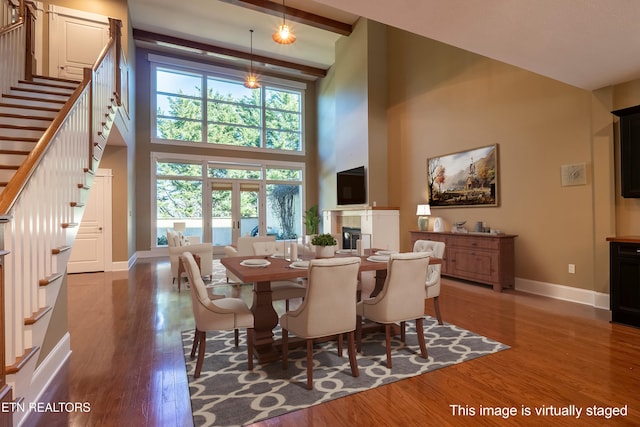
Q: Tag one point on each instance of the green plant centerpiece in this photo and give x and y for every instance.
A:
(312, 220)
(325, 245)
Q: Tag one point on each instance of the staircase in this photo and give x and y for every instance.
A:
(52, 136)
(25, 114)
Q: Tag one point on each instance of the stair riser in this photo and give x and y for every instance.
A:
(38, 95)
(43, 123)
(20, 133)
(66, 92)
(17, 145)
(71, 86)
(31, 103)
(12, 159)
(23, 111)
(6, 175)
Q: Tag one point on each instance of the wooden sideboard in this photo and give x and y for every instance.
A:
(479, 257)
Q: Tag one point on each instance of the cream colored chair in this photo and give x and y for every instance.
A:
(280, 289)
(215, 315)
(432, 284)
(178, 244)
(244, 247)
(328, 309)
(401, 299)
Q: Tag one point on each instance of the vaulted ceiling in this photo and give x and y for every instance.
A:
(585, 43)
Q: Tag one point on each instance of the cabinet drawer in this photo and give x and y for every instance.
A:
(475, 242)
(628, 249)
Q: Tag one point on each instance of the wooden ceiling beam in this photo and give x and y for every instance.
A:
(156, 38)
(296, 15)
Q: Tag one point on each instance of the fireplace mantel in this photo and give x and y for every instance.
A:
(382, 223)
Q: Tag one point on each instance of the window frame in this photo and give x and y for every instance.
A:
(208, 71)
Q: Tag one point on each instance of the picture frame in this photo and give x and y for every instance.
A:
(464, 179)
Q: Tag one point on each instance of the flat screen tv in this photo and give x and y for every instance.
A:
(352, 187)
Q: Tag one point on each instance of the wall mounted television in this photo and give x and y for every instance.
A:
(352, 186)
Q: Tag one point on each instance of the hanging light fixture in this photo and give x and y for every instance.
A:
(284, 34)
(251, 81)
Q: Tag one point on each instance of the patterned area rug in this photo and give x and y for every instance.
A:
(227, 394)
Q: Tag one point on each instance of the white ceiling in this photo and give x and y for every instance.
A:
(586, 43)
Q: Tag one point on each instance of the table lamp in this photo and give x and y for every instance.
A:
(423, 212)
(179, 227)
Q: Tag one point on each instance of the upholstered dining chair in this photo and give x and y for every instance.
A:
(178, 244)
(401, 299)
(432, 284)
(243, 247)
(215, 315)
(280, 289)
(328, 309)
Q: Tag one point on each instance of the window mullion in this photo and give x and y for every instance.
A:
(205, 109)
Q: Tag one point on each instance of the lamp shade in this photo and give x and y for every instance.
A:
(179, 226)
(423, 210)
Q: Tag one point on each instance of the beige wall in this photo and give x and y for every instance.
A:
(442, 100)
(352, 105)
(445, 100)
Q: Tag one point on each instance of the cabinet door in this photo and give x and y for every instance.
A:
(478, 265)
(625, 283)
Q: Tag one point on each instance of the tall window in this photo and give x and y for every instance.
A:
(220, 200)
(204, 107)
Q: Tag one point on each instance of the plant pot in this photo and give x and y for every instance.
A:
(325, 251)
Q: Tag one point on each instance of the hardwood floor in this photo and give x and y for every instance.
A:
(127, 361)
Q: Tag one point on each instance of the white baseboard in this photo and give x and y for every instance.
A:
(562, 292)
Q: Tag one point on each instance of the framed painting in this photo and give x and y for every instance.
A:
(465, 178)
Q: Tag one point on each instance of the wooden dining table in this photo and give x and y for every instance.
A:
(265, 316)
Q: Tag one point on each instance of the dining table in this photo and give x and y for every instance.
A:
(276, 268)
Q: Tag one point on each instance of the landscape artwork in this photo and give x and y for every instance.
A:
(466, 178)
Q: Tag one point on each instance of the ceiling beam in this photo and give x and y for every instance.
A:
(155, 38)
(296, 15)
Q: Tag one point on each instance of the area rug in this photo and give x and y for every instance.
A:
(226, 394)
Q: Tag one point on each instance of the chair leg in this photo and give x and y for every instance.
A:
(387, 333)
(250, 348)
(403, 331)
(420, 332)
(340, 345)
(201, 351)
(352, 355)
(359, 334)
(236, 337)
(285, 348)
(196, 337)
(310, 364)
(436, 305)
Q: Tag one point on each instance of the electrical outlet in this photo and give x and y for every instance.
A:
(572, 269)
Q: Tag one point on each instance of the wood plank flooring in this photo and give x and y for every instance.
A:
(127, 361)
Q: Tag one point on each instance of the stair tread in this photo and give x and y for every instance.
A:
(22, 127)
(37, 91)
(18, 138)
(21, 361)
(15, 152)
(50, 85)
(37, 315)
(24, 117)
(56, 79)
(29, 98)
(30, 107)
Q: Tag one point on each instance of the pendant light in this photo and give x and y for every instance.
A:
(284, 34)
(251, 81)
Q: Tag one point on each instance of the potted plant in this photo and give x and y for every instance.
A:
(325, 245)
(312, 220)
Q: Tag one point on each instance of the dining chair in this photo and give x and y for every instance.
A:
(215, 315)
(432, 284)
(280, 289)
(401, 299)
(328, 309)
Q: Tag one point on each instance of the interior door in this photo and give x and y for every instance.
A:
(235, 210)
(75, 39)
(88, 254)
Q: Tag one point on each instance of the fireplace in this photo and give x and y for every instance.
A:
(349, 237)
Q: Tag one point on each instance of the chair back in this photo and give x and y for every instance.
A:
(403, 294)
(245, 244)
(205, 311)
(437, 249)
(269, 247)
(329, 306)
